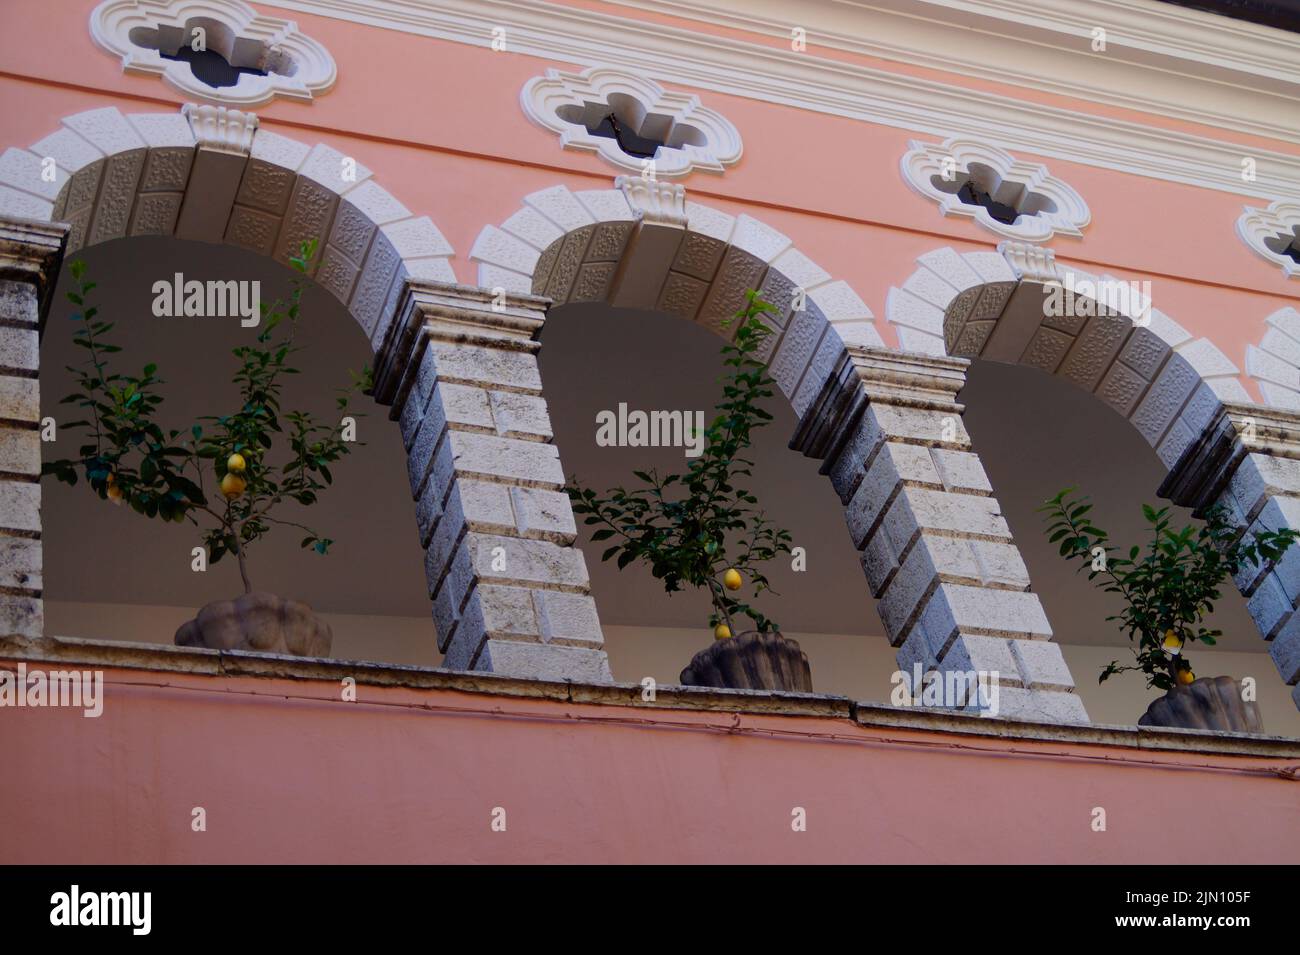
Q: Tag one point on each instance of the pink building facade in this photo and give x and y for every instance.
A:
(1141, 158)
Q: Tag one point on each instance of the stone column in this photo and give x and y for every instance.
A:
(1248, 460)
(30, 255)
(510, 590)
(938, 555)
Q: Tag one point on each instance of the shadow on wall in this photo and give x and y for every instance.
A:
(596, 358)
(96, 553)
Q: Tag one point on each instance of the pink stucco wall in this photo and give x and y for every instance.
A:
(440, 125)
(287, 772)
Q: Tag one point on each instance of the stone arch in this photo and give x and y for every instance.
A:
(211, 174)
(1274, 363)
(645, 245)
(953, 592)
(208, 173)
(1136, 359)
(1181, 393)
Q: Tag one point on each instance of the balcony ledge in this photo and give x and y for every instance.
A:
(235, 663)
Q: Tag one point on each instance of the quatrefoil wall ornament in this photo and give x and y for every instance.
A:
(266, 56)
(1019, 200)
(1274, 233)
(629, 120)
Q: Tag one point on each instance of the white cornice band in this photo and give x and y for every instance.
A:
(801, 80)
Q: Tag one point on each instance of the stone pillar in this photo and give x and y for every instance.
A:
(30, 255)
(510, 590)
(1248, 460)
(953, 590)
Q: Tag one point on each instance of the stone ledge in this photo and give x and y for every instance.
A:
(157, 657)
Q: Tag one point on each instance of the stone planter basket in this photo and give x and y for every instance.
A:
(751, 661)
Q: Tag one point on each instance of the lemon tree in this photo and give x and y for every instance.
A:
(703, 528)
(128, 457)
(1170, 589)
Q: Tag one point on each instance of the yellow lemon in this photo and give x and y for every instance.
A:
(236, 464)
(1173, 643)
(114, 492)
(1186, 676)
(232, 485)
(732, 579)
(721, 632)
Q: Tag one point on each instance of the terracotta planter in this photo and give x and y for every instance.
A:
(262, 622)
(751, 661)
(1209, 703)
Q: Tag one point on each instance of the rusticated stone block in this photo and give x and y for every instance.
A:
(475, 364)
(19, 302)
(20, 451)
(20, 563)
(20, 399)
(1039, 706)
(976, 654)
(21, 616)
(955, 608)
(18, 349)
(20, 506)
(537, 661)
(542, 513)
(520, 416)
(493, 458)
(514, 560)
(1041, 665)
(567, 618)
(921, 425)
(893, 464)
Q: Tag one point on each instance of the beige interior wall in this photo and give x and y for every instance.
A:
(844, 665)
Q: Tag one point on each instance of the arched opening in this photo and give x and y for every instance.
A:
(111, 574)
(1103, 337)
(1036, 435)
(254, 198)
(654, 362)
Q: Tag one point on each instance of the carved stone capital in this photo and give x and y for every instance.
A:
(438, 311)
(221, 129)
(1203, 471)
(655, 202)
(866, 376)
(1030, 261)
(32, 251)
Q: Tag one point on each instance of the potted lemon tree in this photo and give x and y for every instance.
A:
(703, 529)
(222, 474)
(1168, 591)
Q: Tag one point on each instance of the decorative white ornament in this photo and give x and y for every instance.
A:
(656, 203)
(297, 67)
(1048, 206)
(1271, 229)
(697, 137)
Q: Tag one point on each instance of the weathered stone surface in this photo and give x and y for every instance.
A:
(523, 462)
(567, 618)
(1040, 706)
(20, 563)
(20, 506)
(20, 451)
(20, 399)
(538, 661)
(545, 514)
(21, 616)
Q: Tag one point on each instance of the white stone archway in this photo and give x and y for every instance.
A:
(1181, 393)
(210, 173)
(645, 245)
(482, 487)
(953, 590)
(1135, 358)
